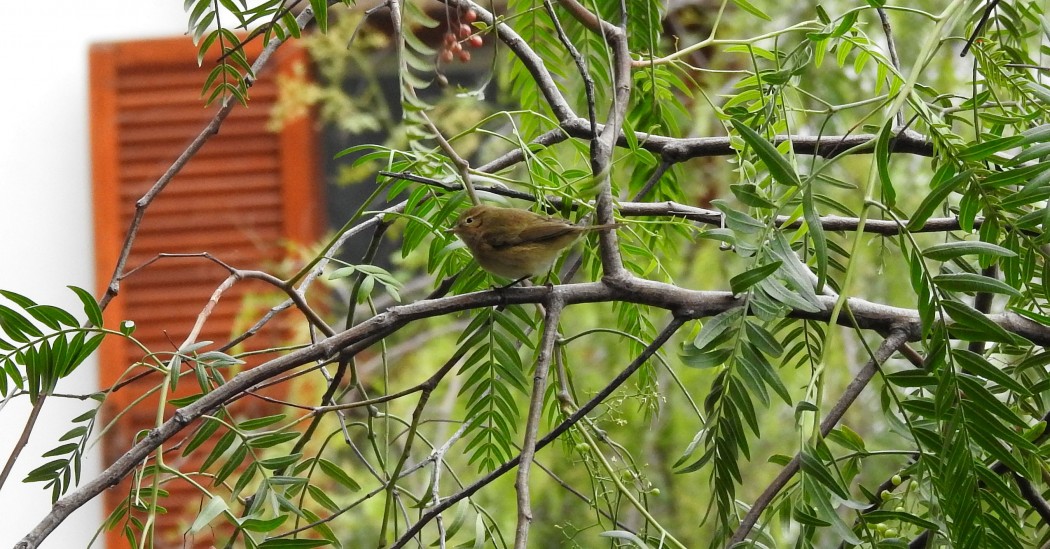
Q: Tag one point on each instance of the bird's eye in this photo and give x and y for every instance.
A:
(468, 221)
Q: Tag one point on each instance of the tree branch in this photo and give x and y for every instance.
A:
(893, 341)
(649, 351)
(211, 129)
(532, 423)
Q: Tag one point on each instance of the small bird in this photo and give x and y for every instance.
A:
(516, 244)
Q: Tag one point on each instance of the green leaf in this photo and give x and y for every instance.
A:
(322, 498)
(337, 474)
(18, 327)
(260, 422)
(912, 378)
(816, 233)
(215, 507)
(269, 440)
(765, 371)
(847, 438)
(762, 339)
(18, 299)
(1038, 134)
(174, 369)
(280, 462)
(790, 297)
(981, 151)
(231, 465)
(207, 429)
(973, 282)
(717, 329)
(979, 400)
(225, 441)
(803, 514)
(748, 194)
(218, 359)
(975, 326)
(741, 282)
(937, 195)
(750, 8)
(982, 434)
(91, 309)
(882, 163)
(778, 166)
(696, 358)
(736, 219)
(263, 526)
(951, 250)
(53, 316)
(812, 466)
(46, 471)
(79, 352)
(61, 450)
(320, 8)
(1024, 175)
(625, 536)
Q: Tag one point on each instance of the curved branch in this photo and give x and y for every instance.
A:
(685, 304)
(604, 138)
(678, 149)
(211, 129)
(532, 422)
(834, 223)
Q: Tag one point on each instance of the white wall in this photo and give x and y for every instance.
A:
(45, 207)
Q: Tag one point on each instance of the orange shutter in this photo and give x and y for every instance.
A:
(243, 198)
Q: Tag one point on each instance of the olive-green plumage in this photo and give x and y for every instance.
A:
(515, 243)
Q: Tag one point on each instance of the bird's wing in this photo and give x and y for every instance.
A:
(539, 232)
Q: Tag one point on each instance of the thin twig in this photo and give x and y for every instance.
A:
(23, 439)
(834, 223)
(892, 47)
(211, 129)
(581, 66)
(436, 457)
(461, 164)
(604, 141)
(532, 423)
(893, 341)
(316, 271)
(579, 495)
(600, 397)
(980, 27)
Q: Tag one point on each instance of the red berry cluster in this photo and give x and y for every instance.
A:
(452, 45)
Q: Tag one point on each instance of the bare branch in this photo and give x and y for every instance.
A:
(466, 492)
(893, 341)
(679, 149)
(834, 223)
(211, 129)
(532, 423)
